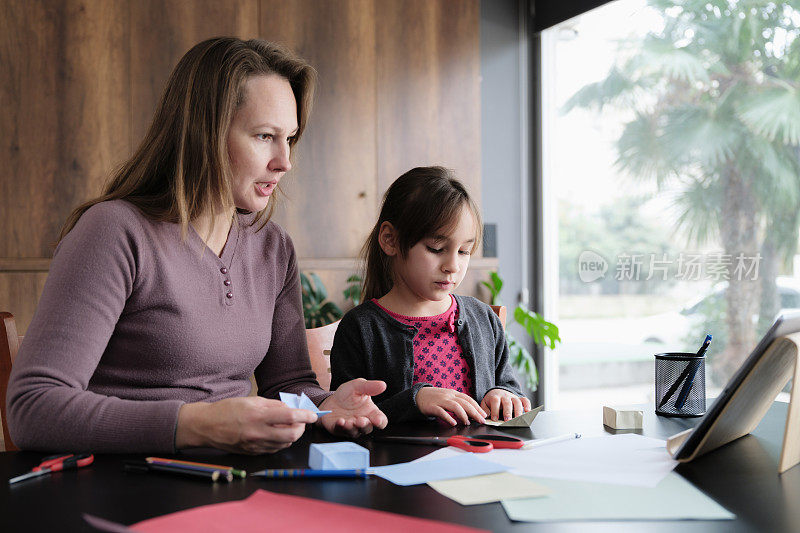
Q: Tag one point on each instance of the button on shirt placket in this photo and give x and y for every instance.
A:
(228, 285)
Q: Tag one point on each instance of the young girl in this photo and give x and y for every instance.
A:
(438, 353)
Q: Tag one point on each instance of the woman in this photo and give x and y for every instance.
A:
(168, 291)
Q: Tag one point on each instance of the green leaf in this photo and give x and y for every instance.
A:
(317, 311)
(305, 283)
(774, 113)
(331, 310)
(497, 282)
(353, 291)
(321, 293)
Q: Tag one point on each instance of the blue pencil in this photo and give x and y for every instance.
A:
(695, 366)
(309, 473)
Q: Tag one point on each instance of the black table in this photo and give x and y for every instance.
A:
(741, 476)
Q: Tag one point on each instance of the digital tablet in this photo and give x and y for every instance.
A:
(745, 398)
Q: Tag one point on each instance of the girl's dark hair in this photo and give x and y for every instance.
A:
(182, 169)
(423, 202)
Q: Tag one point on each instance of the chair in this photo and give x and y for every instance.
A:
(500, 311)
(9, 345)
(319, 342)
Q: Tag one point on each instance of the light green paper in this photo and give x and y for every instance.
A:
(489, 488)
(672, 499)
(522, 421)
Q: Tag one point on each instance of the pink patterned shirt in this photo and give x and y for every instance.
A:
(438, 358)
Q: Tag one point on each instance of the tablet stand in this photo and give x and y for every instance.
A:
(750, 401)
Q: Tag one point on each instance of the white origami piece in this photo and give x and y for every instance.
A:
(522, 421)
(622, 419)
(338, 456)
(300, 402)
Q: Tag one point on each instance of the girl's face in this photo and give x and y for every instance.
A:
(436, 265)
(258, 141)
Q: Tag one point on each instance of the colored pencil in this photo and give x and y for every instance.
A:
(237, 473)
(213, 475)
(310, 473)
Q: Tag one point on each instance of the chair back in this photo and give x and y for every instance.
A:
(500, 311)
(320, 341)
(9, 346)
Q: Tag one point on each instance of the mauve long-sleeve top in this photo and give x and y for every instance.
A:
(135, 320)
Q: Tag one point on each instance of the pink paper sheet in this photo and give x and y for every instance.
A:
(268, 511)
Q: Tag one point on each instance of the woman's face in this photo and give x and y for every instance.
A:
(258, 141)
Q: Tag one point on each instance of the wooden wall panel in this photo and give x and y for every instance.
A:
(65, 114)
(331, 197)
(161, 32)
(398, 87)
(429, 88)
(19, 294)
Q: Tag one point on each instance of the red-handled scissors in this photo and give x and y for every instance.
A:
(472, 443)
(55, 463)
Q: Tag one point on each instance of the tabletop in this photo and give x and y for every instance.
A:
(741, 477)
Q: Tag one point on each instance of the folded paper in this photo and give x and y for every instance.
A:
(621, 418)
(300, 402)
(522, 421)
(338, 456)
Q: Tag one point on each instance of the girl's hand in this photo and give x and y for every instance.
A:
(252, 425)
(434, 401)
(512, 404)
(354, 413)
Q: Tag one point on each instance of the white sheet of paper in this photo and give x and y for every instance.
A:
(300, 402)
(413, 473)
(672, 499)
(626, 459)
(489, 488)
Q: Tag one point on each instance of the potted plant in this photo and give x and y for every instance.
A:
(318, 311)
(540, 330)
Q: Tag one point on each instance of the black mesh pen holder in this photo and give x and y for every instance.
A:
(680, 384)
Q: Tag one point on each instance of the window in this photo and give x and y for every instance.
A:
(672, 179)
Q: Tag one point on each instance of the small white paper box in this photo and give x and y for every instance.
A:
(622, 419)
(338, 456)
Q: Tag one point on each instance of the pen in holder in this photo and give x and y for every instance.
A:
(680, 384)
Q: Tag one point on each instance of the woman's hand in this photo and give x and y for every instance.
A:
(442, 403)
(511, 404)
(354, 413)
(251, 425)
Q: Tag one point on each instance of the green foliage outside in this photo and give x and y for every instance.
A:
(619, 228)
(714, 101)
(318, 311)
(540, 330)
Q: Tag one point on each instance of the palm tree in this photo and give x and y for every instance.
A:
(716, 119)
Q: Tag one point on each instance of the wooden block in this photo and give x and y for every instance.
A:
(622, 419)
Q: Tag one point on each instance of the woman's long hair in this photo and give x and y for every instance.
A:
(182, 169)
(424, 201)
